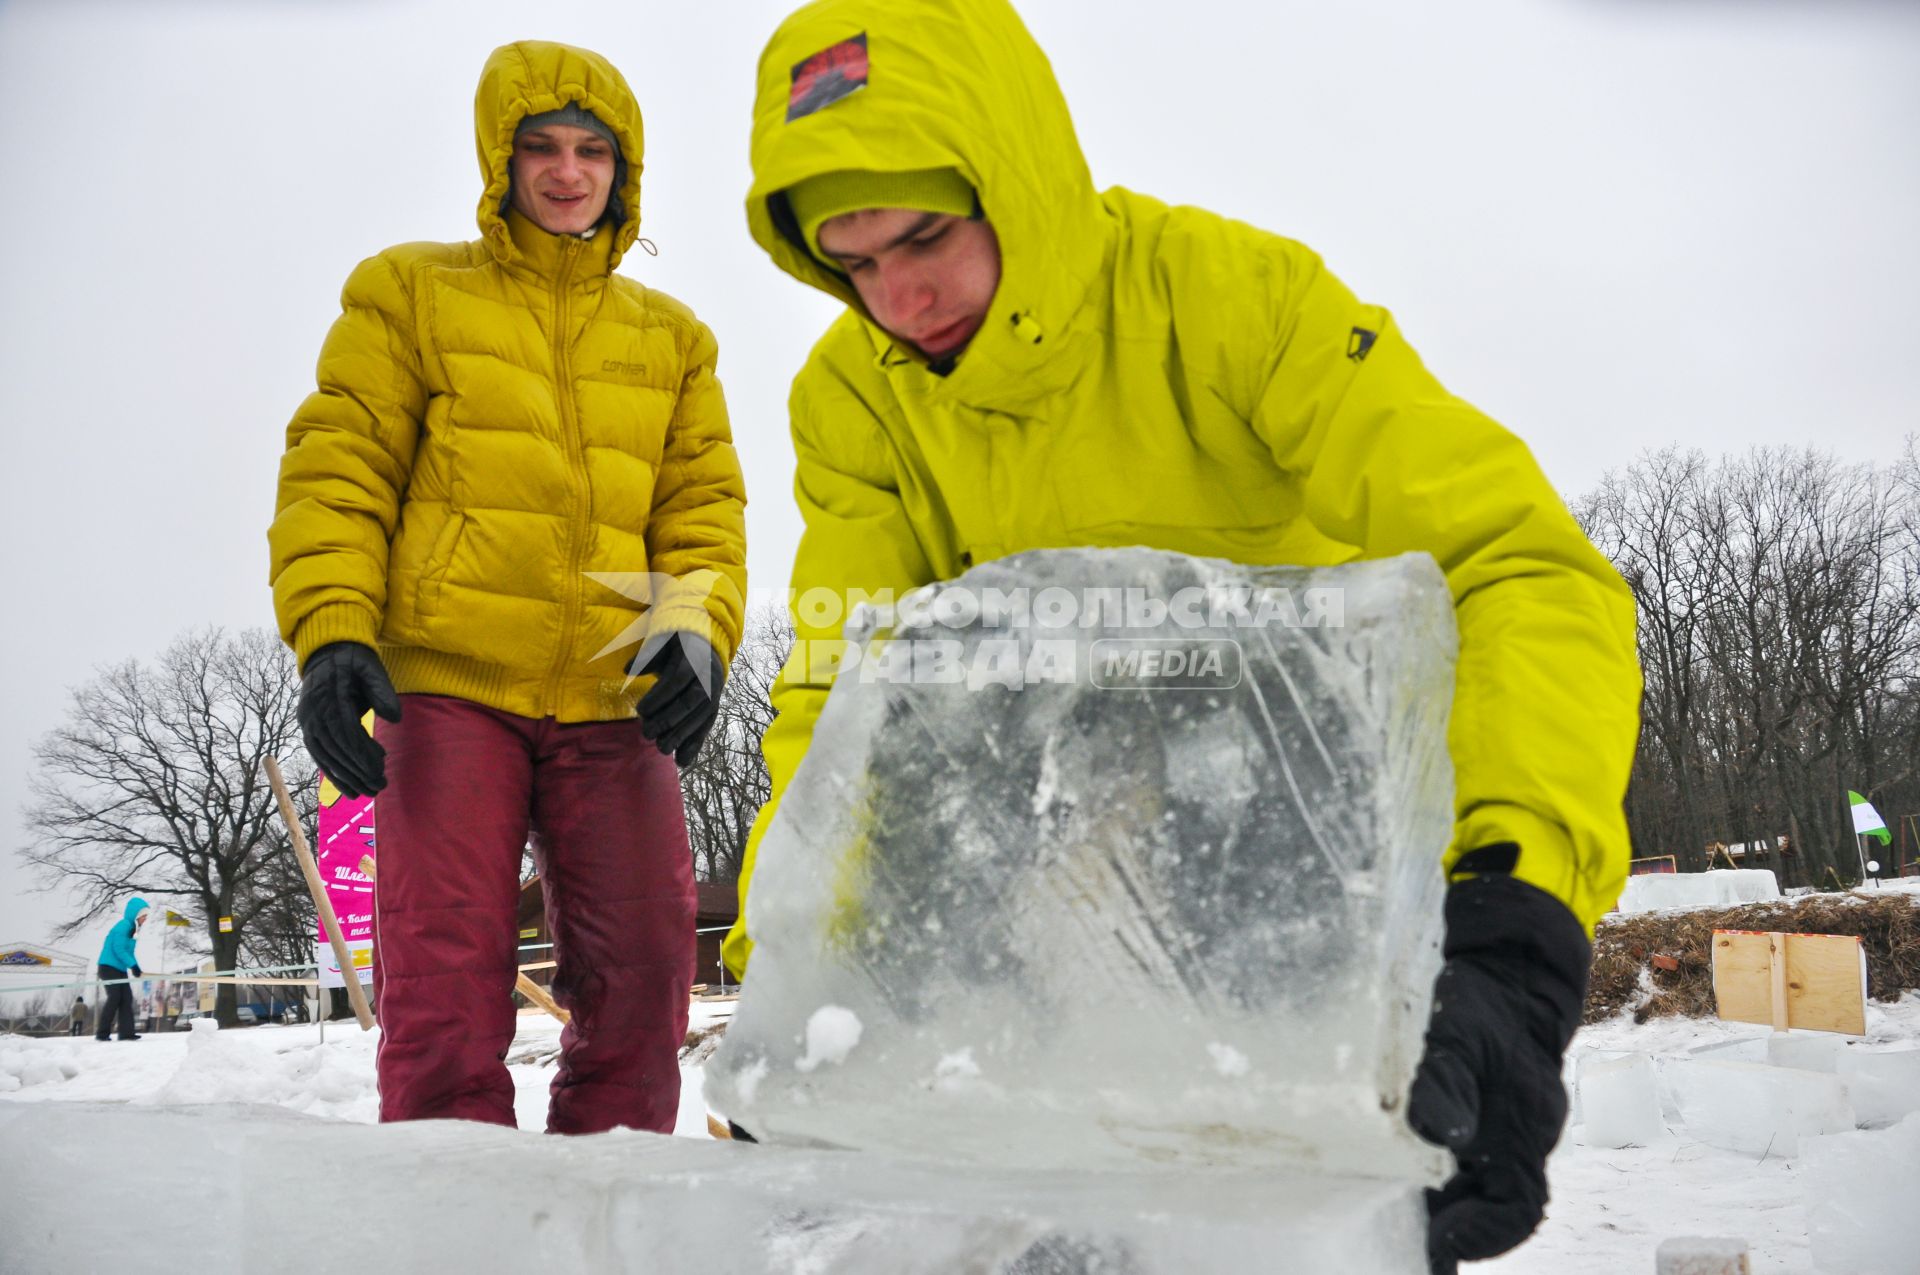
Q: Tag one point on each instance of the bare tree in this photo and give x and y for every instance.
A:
(154, 786)
(1779, 597)
(726, 787)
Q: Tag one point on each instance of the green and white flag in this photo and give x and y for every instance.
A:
(1867, 821)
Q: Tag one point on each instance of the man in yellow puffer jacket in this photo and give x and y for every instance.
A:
(513, 506)
(1027, 362)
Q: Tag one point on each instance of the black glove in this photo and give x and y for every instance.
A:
(341, 682)
(1488, 1087)
(678, 712)
(136, 971)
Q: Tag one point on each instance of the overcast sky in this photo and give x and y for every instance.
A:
(1613, 224)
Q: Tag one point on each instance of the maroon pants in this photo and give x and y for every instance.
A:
(467, 784)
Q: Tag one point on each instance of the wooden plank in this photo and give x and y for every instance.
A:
(1821, 981)
(538, 995)
(1742, 976)
(1777, 980)
(1826, 983)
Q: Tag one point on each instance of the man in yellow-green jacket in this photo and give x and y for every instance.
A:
(511, 508)
(1028, 362)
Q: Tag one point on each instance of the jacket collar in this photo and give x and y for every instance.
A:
(547, 256)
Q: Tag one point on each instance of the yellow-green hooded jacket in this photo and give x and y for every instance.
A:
(518, 462)
(1163, 376)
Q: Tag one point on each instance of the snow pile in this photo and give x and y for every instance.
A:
(224, 1067)
(1723, 887)
(21, 1067)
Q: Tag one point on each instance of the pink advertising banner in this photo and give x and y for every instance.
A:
(345, 836)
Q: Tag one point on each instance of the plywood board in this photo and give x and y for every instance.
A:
(1815, 982)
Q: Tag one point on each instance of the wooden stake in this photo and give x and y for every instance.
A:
(1777, 972)
(538, 995)
(311, 871)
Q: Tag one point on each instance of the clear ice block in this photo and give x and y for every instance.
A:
(1031, 903)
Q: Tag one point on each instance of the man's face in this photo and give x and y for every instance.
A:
(925, 277)
(562, 177)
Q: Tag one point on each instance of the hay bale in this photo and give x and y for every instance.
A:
(1625, 975)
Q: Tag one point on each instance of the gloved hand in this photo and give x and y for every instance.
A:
(136, 971)
(341, 682)
(1488, 1087)
(678, 712)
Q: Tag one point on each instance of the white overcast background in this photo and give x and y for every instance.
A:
(1614, 224)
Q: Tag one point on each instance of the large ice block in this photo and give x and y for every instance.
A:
(1806, 1050)
(1720, 887)
(1620, 1102)
(1882, 1085)
(1859, 1199)
(275, 1191)
(1756, 1108)
(1106, 888)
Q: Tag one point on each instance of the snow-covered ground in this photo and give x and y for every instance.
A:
(1611, 1207)
(288, 1066)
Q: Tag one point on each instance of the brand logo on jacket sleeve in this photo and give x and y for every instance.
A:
(1360, 343)
(827, 76)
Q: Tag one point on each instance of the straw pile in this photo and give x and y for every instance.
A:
(1661, 963)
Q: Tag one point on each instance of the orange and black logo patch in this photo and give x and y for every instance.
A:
(828, 76)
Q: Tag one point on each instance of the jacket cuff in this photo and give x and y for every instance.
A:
(691, 617)
(334, 622)
(1546, 859)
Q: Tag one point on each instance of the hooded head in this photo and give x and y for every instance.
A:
(901, 87)
(533, 78)
(136, 909)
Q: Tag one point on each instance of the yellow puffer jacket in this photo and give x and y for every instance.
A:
(1163, 376)
(517, 463)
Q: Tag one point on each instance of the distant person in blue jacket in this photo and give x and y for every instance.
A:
(117, 961)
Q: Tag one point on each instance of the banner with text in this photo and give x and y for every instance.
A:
(344, 838)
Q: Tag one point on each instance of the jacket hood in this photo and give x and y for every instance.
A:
(932, 84)
(532, 77)
(135, 906)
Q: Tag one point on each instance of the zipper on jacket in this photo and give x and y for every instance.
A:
(577, 468)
